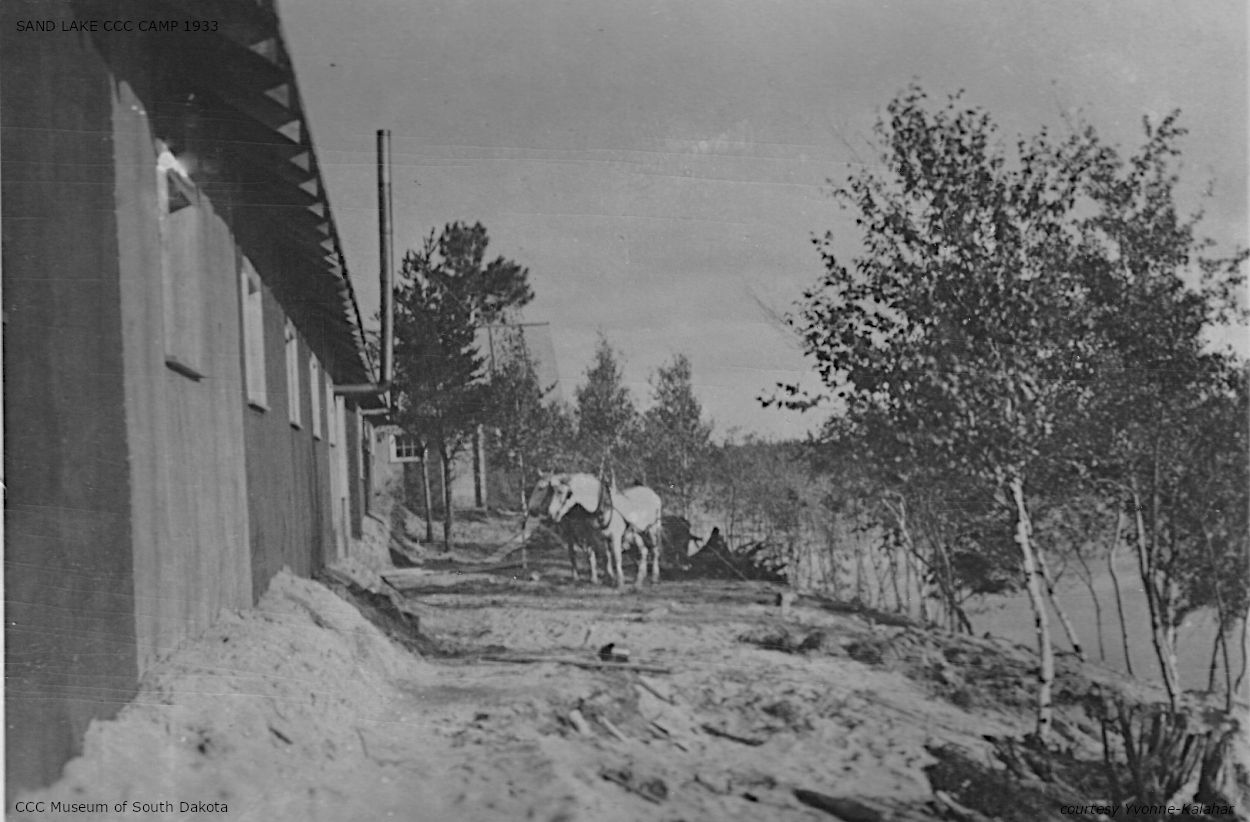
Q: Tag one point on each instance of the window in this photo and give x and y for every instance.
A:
(253, 296)
(315, 391)
(334, 412)
(292, 374)
(405, 448)
(182, 266)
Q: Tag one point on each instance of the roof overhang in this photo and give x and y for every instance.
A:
(238, 86)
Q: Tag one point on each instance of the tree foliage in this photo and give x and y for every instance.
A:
(446, 291)
(1021, 319)
(532, 431)
(608, 422)
(676, 437)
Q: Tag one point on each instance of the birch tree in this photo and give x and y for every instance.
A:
(958, 323)
(1165, 436)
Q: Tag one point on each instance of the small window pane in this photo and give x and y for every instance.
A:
(253, 336)
(405, 448)
(183, 260)
(293, 398)
(314, 394)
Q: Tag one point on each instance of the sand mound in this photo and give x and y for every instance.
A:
(276, 693)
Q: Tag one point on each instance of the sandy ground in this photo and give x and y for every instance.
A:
(303, 710)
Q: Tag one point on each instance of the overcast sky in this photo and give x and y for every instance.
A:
(661, 167)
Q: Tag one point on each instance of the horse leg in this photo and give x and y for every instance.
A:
(656, 549)
(642, 559)
(617, 549)
(609, 570)
(594, 563)
(573, 558)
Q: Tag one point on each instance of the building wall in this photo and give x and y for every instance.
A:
(340, 509)
(189, 490)
(288, 469)
(69, 596)
(356, 490)
(141, 501)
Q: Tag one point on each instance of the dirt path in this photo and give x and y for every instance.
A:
(729, 733)
(302, 710)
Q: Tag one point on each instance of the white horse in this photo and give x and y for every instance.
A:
(633, 514)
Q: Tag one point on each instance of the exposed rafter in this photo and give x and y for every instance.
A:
(243, 76)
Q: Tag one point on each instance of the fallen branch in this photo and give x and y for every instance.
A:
(745, 740)
(963, 813)
(851, 810)
(660, 732)
(593, 665)
(652, 790)
(579, 722)
(642, 680)
(612, 729)
(490, 569)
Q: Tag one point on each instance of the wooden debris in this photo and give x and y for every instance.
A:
(661, 732)
(744, 740)
(964, 814)
(580, 663)
(496, 568)
(642, 680)
(612, 729)
(579, 722)
(850, 810)
(652, 790)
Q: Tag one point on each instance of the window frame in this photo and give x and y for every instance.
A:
(315, 395)
(293, 391)
(252, 297)
(182, 238)
(404, 451)
(333, 414)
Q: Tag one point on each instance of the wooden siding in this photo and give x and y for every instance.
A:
(288, 470)
(357, 488)
(141, 501)
(189, 490)
(69, 620)
(340, 509)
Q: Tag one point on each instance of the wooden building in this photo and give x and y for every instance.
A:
(177, 315)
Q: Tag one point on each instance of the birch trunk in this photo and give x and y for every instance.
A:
(1214, 666)
(1245, 653)
(1115, 583)
(1059, 612)
(1145, 567)
(1046, 677)
(525, 513)
(1087, 576)
(894, 574)
(955, 615)
(1221, 620)
(1228, 672)
(912, 555)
